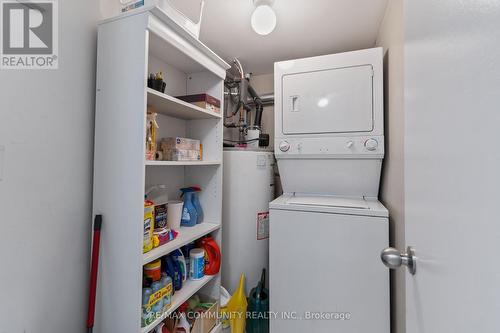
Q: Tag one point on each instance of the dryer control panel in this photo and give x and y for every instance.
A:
(336, 147)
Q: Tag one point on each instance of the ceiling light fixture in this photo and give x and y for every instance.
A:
(263, 17)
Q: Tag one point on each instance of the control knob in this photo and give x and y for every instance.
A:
(284, 146)
(371, 144)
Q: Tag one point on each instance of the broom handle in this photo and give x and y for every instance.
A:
(93, 272)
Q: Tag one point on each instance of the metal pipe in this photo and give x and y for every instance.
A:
(267, 99)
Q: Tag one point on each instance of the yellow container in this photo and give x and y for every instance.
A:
(153, 270)
(149, 225)
(237, 308)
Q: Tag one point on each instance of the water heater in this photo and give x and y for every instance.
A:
(248, 189)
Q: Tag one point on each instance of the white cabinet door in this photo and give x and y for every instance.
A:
(337, 100)
(326, 265)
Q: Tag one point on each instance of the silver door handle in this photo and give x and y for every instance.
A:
(393, 259)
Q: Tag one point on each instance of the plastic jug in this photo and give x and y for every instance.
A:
(189, 213)
(237, 308)
(193, 190)
(197, 204)
(212, 255)
(173, 269)
(258, 306)
(178, 256)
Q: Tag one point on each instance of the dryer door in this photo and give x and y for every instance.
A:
(337, 100)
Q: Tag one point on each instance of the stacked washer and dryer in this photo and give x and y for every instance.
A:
(328, 228)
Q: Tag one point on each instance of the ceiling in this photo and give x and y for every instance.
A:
(305, 28)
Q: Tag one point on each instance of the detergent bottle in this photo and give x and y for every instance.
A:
(197, 204)
(178, 257)
(237, 307)
(189, 213)
(258, 306)
(173, 269)
(212, 255)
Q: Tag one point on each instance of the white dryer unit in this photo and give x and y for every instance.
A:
(329, 120)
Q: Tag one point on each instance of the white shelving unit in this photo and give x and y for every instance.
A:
(131, 46)
(186, 235)
(174, 107)
(181, 163)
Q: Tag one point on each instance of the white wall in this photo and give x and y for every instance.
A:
(46, 129)
(391, 38)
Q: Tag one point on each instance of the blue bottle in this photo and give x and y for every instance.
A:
(197, 204)
(173, 269)
(189, 213)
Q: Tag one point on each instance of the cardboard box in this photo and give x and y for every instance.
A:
(207, 320)
(179, 143)
(204, 101)
(181, 155)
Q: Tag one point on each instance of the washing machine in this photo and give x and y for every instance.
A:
(328, 228)
(325, 270)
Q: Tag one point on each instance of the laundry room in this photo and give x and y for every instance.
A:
(249, 166)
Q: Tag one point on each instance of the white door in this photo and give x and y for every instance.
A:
(452, 165)
(338, 100)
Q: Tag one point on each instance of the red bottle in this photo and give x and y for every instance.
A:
(212, 255)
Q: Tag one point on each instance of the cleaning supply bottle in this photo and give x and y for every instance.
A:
(212, 255)
(237, 308)
(258, 307)
(149, 225)
(179, 257)
(197, 264)
(172, 270)
(189, 213)
(185, 251)
(197, 204)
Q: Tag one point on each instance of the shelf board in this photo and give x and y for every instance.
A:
(186, 235)
(188, 289)
(180, 163)
(174, 107)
